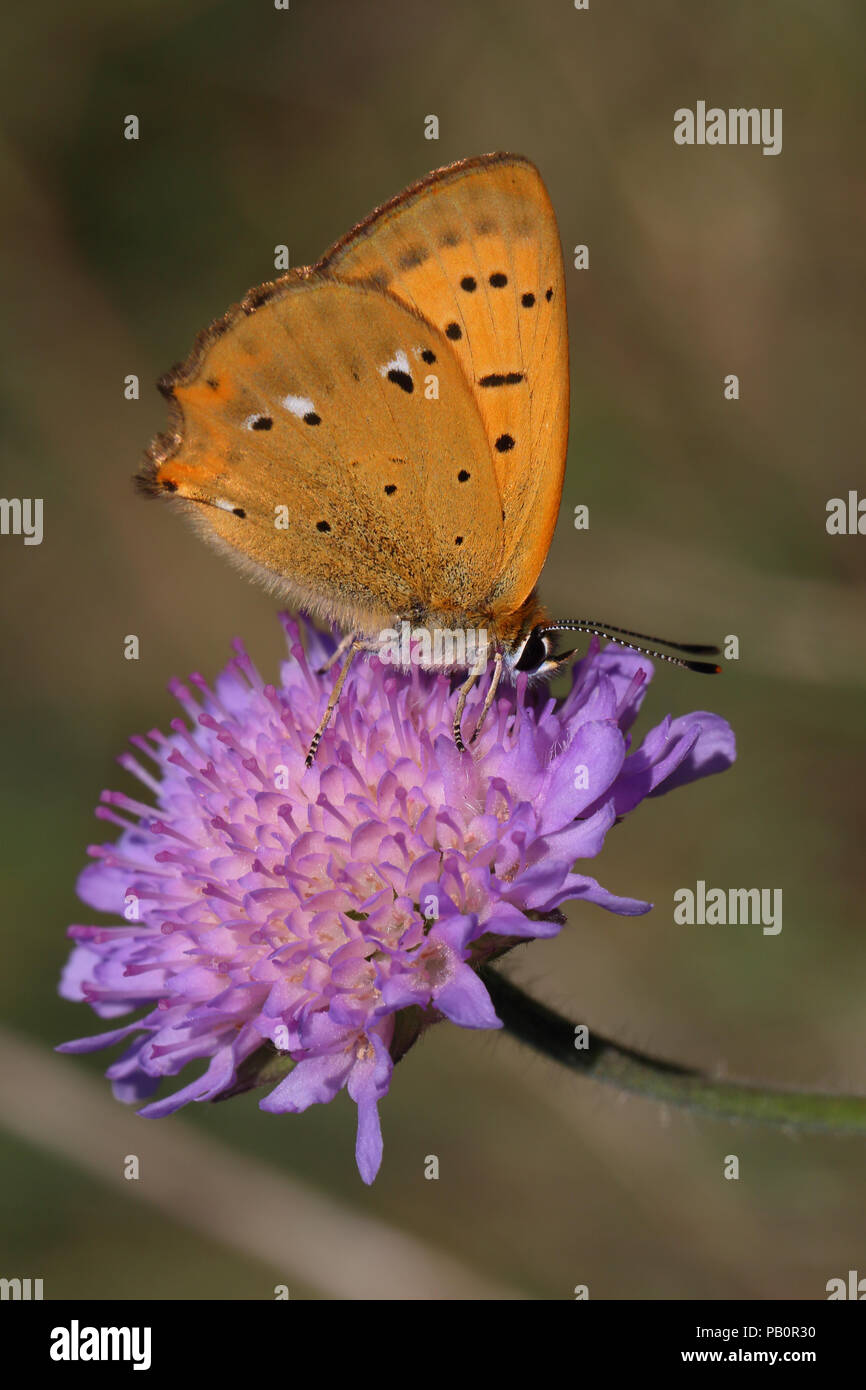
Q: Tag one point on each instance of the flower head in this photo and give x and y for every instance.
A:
(331, 913)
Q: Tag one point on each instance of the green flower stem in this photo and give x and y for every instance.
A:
(605, 1061)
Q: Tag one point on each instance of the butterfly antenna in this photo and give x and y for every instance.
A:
(615, 634)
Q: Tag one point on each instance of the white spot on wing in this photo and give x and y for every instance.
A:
(299, 405)
(226, 506)
(399, 363)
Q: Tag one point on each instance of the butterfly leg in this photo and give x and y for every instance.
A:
(337, 654)
(354, 646)
(458, 713)
(490, 696)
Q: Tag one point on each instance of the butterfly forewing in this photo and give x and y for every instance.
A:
(475, 249)
(308, 443)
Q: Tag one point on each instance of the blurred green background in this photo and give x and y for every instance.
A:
(260, 127)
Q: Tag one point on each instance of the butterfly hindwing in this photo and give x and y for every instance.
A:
(475, 249)
(308, 442)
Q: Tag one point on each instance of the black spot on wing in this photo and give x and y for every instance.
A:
(401, 379)
(501, 379)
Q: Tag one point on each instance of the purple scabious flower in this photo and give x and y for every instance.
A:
(333, 913)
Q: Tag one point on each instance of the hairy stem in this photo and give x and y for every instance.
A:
(605, 1061)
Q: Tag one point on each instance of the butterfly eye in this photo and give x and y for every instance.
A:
(536, 650)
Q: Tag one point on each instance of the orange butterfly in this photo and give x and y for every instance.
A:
(382, 436)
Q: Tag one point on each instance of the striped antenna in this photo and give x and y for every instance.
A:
(615, 634)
